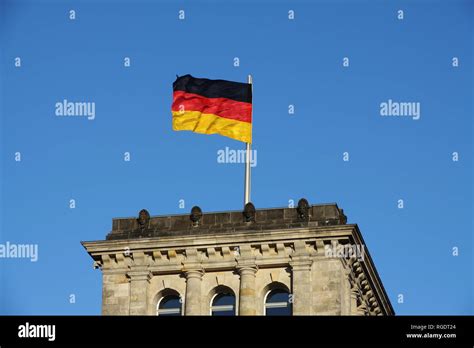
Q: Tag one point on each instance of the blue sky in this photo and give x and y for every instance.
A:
(298, 62)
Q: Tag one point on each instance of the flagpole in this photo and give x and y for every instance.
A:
(247, 162)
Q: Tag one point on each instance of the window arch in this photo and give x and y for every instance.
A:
(170, 304)
(223, 302)
(277, 301)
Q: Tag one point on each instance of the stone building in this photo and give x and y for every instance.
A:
(302, 261)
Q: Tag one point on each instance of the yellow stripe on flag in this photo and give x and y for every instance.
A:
(212, 124)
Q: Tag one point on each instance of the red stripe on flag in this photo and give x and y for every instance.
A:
(222, 107)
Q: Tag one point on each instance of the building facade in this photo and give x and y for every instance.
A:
(284, 261)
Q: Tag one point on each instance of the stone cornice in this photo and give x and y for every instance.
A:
(373, 276)
(200, 241)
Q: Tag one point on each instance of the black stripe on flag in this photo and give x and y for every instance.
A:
(237, 91)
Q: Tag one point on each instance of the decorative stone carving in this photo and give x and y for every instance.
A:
(342, 217)
(249, 212)
(143, 219)
(196, 215)
(303, 209)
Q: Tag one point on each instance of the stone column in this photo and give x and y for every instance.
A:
(301, 284)
(301, 279)
(192, 305)
(193, 271)
(345, 292)
(139, 280)
(247, 268)
(247, 296)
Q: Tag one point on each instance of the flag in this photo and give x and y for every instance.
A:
(213, 107)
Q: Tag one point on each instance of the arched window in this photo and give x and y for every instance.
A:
(223, 304)
(169, 306)
(277, 302)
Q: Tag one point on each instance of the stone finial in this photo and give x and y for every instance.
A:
(342, 217)
(143, 219)
(249, 212)
(303, 209)
(196, 215)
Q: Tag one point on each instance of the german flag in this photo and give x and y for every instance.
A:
(213, 107)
